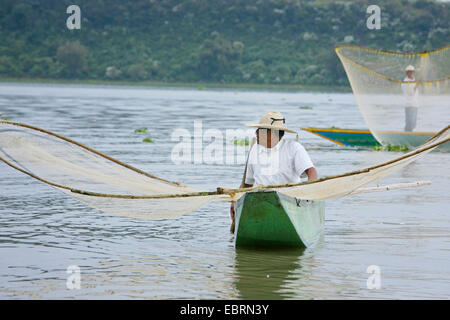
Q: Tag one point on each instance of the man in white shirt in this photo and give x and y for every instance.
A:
(411, 93)
(274, 160)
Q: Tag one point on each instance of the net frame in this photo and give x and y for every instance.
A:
(440, 138)
(383, 95)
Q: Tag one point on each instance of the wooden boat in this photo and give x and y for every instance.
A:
(267, 218)
(364, 138)
(346, 137)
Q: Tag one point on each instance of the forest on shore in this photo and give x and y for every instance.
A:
(216, 41)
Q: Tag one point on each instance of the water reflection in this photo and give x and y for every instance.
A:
(265, 273)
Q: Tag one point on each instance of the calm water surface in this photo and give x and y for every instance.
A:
(42, 231)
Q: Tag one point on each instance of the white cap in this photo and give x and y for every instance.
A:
(410, 68)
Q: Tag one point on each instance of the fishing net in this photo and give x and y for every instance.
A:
(120, 189)
(90, 176)
(400, 108)
(344, 184)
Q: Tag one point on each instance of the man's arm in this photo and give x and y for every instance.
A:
(311, 173)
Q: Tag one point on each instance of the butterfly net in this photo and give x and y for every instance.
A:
(400, 107)
(117, 188)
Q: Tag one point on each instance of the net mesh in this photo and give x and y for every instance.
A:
(397, 108)
(120, 189)
(77, 169)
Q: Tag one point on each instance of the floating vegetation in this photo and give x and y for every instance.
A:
(241, 142)
(141, 130)
(390, 147)
(305, 107)
(148, 140)
(6, 119)
(333, 127)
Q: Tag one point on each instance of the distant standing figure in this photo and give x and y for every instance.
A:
(411, 93)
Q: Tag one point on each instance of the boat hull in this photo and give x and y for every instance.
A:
(412, 139)
(364, 138)
(346, 137)
(272, 219)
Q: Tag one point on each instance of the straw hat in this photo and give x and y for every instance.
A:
(410, 68)
(271, 120)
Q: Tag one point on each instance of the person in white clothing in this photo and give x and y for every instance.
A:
(279, 162)
(274, 160)
(411, 93)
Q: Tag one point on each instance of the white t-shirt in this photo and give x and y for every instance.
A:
(410, 91)
(282, 164)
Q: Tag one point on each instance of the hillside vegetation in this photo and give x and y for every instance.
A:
(226, 41)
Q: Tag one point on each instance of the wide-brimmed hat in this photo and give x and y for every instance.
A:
(410, 68)
(271, 120)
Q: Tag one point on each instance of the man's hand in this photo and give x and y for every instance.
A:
(232, 210)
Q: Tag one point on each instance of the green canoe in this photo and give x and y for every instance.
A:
(267, 218)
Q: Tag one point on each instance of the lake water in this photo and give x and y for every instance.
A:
(405, 233)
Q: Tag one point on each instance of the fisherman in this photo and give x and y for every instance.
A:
(411, 93)
(274, 160)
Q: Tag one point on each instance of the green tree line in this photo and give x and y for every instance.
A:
(239, 41)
